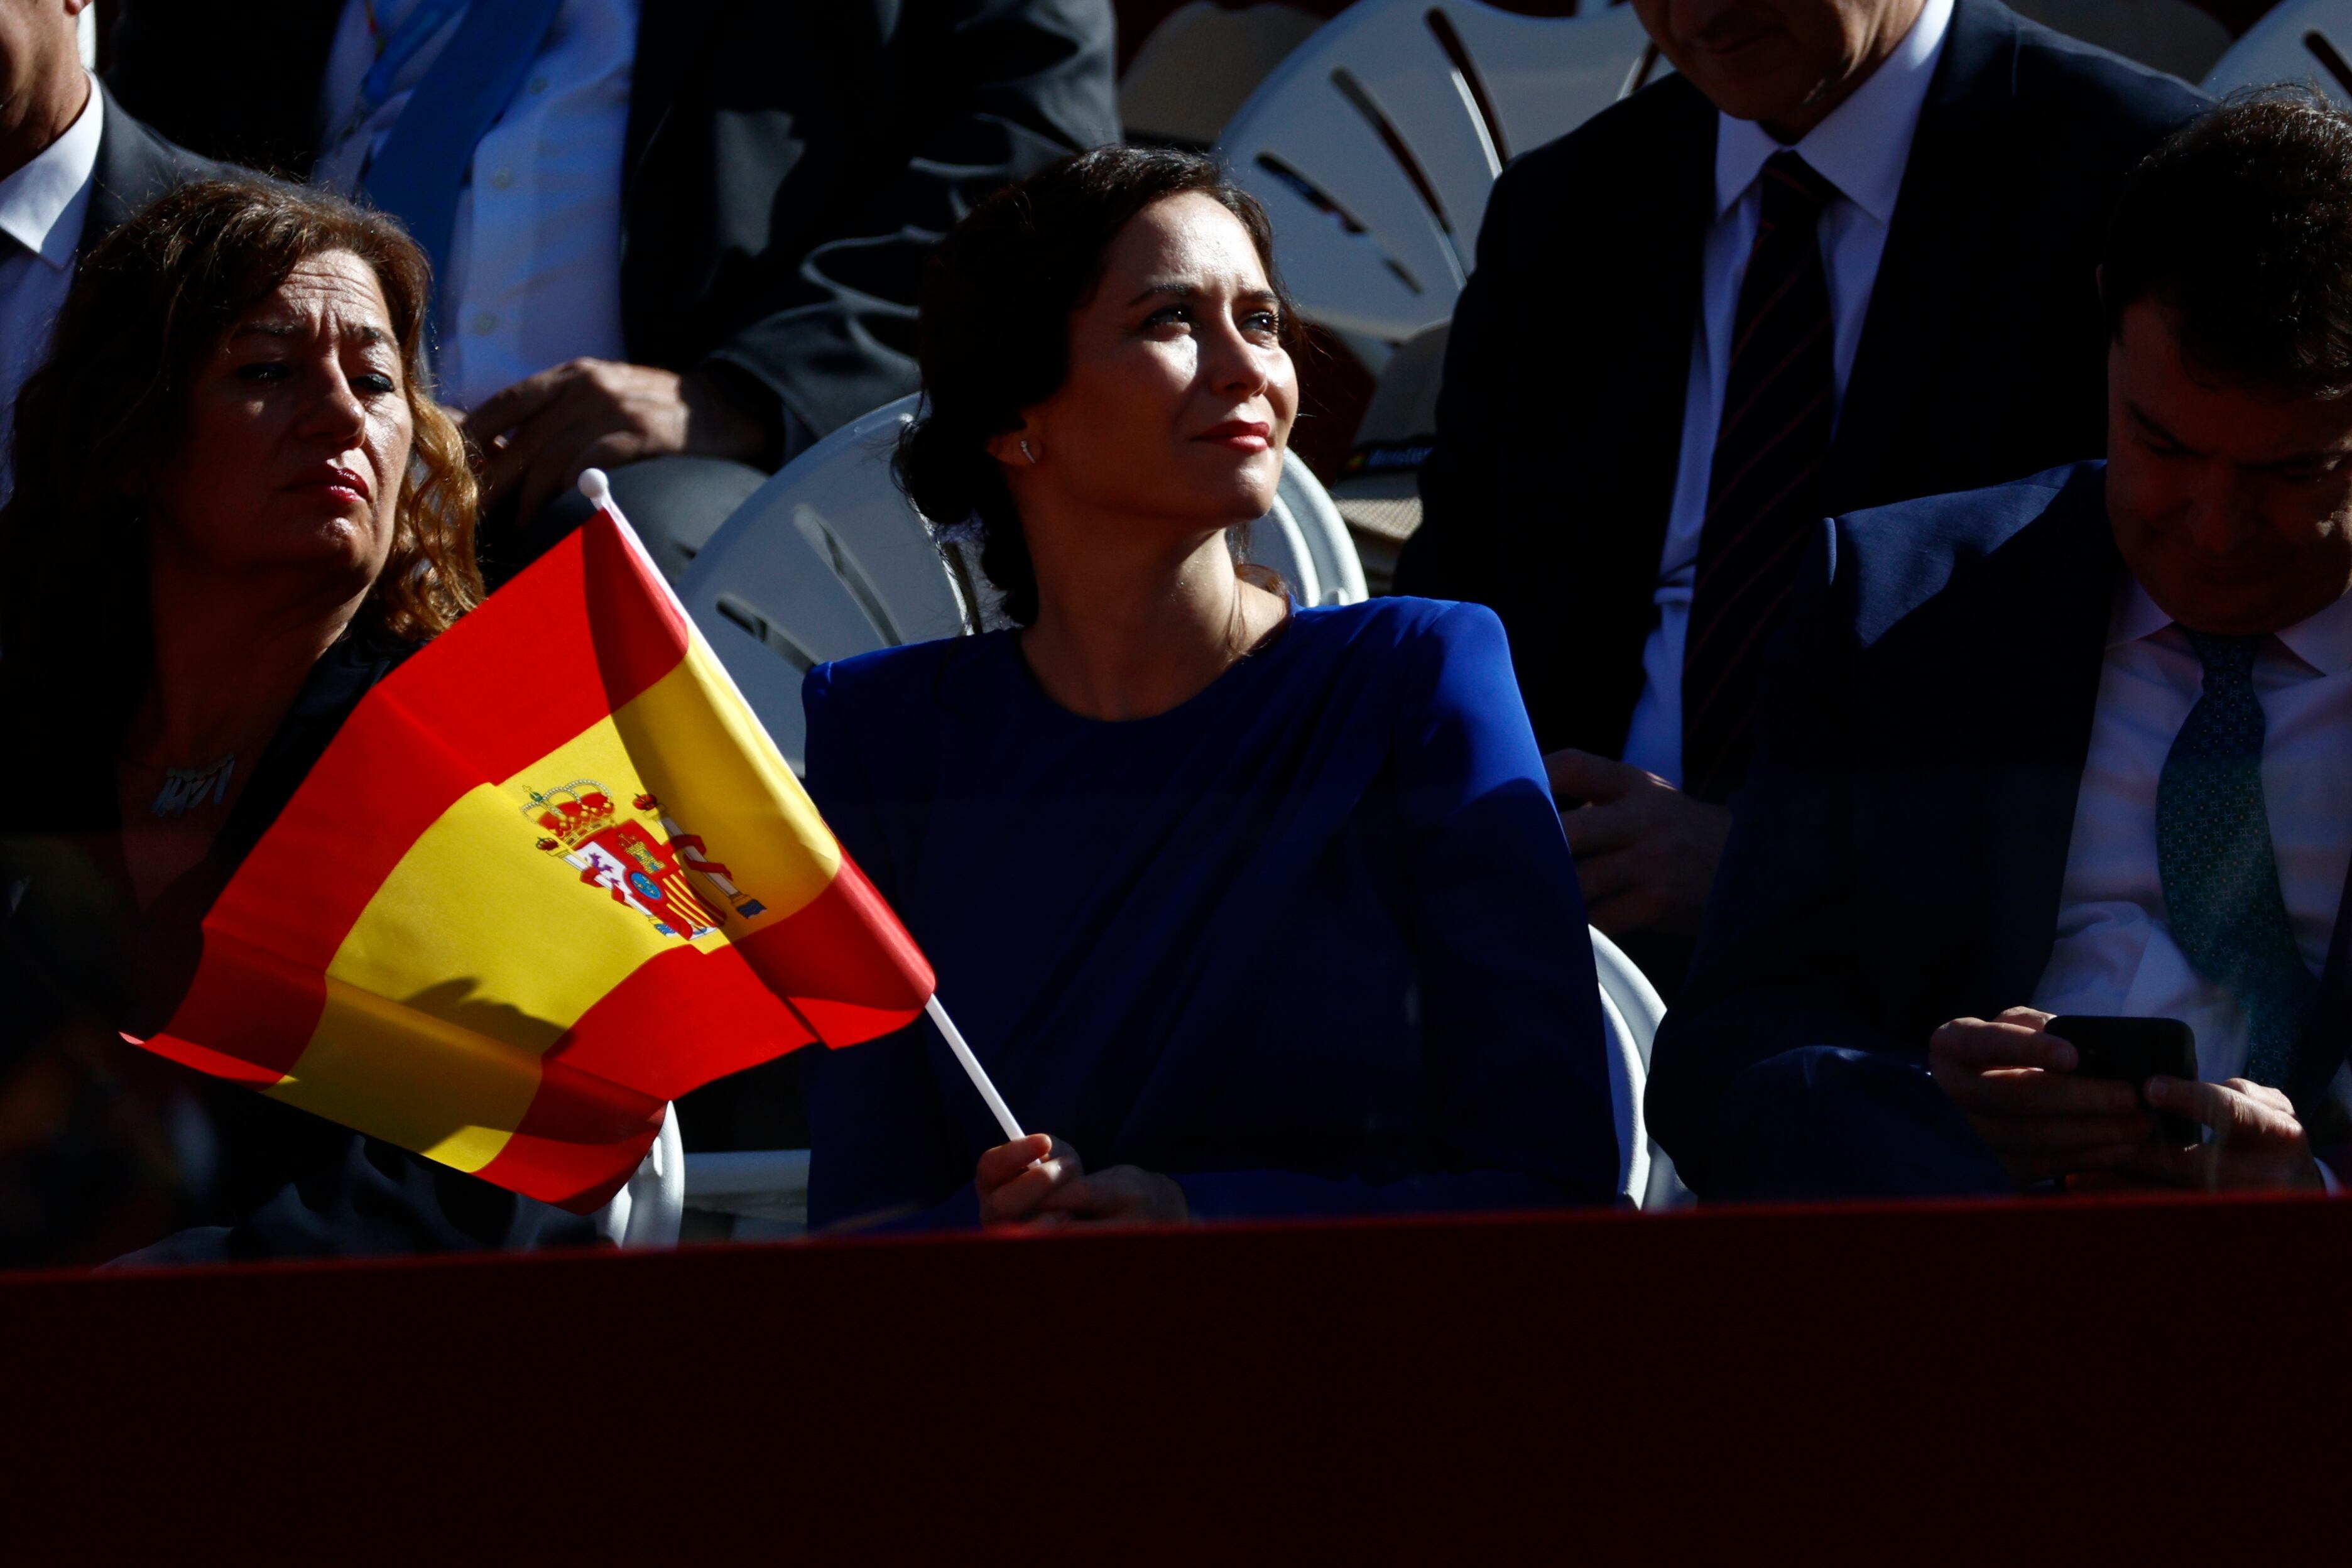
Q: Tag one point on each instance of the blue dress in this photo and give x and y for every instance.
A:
(1310, 942)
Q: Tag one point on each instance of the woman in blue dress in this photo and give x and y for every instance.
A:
(1253, 909)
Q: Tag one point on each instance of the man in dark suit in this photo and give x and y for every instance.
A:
(680, 241)
(2076, 744)
(73, 165)
(1843, 257)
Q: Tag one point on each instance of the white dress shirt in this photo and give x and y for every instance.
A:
(42, 206)
(2115, 953)
(1862, 148)
(534, 270)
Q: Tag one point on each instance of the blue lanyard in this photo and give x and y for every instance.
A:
(392, 53)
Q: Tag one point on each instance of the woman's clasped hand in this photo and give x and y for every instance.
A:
(1039, 1181)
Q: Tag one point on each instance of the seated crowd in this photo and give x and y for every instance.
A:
(1893, 486)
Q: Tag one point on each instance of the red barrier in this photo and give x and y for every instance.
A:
(2002, 1383)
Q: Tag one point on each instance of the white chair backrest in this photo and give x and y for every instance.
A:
(766, 1191)
(1200, 63)
(824, 561)
(1631, 1010)
(1306, 539)
(1375, 144)
(827, 560)
(2297, 40)
(649, 1211)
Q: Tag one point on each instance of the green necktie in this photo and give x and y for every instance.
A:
(2213, 851)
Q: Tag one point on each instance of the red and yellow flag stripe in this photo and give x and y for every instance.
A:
(409, 952)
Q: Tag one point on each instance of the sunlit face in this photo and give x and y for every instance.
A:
(297, 436)
(1784, 62)
(1179, 396)
(2232, 505)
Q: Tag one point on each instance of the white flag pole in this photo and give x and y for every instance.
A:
(599, 491)
(973, 1070)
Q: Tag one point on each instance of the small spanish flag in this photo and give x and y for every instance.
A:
(550, 874)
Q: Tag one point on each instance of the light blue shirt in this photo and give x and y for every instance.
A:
(534, 275)
(42, 207)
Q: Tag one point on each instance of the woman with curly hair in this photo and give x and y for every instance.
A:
(237, 507)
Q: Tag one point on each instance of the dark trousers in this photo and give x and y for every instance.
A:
(1824, 1122)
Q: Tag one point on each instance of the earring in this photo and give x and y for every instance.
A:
(1028, 454)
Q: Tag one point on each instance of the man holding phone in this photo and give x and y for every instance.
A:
(2080, 745)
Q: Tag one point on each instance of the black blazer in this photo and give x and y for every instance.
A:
(1898, 852)
(1982, 356)
(134, 168)
(789, 166)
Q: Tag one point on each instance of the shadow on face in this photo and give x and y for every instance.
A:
(2231, 504)
(296, 439)
(1784, 63)
(1179, 396)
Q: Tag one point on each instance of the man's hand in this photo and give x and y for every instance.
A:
(2011, 1081)
(1645, 852)
(2257, 1145)
(1040, 1182)
(541, 434)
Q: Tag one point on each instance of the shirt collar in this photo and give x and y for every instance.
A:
(37, 200)
(2323, 641)
(1862, 147)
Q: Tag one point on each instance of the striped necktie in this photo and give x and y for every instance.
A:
(1780, 402)
(2219, 873)
(423, 162)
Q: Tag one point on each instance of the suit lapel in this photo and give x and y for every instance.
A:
(1660, 309)
(1640, 237)
(668, 37)
(1969, 106)
(132, 170)
(2049, 591)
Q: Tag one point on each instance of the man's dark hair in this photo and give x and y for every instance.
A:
(994, 335)
(2241, 222)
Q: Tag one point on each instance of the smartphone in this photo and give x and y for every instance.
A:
(2132, 1051)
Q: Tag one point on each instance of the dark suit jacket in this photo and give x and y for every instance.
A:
(789, 166)
(1982, 357)
(134, 168)
(1898, 852)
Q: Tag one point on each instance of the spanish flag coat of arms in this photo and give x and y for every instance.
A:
(550, 875)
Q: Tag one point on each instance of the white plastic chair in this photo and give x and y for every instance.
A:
(1200, 63)
(2299, 41)
(828, 559)
(647, 1213)
(768, 1188)
(824, 561)
(1631, 1009)
(1374, 145)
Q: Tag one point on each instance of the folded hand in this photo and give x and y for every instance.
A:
(1040, 1181)
(539, 434)
(1645, 852)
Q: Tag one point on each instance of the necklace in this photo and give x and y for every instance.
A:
(186, 789)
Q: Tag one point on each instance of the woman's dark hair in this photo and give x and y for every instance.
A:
(995, 337)
(107, 408)
(2241, 222)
